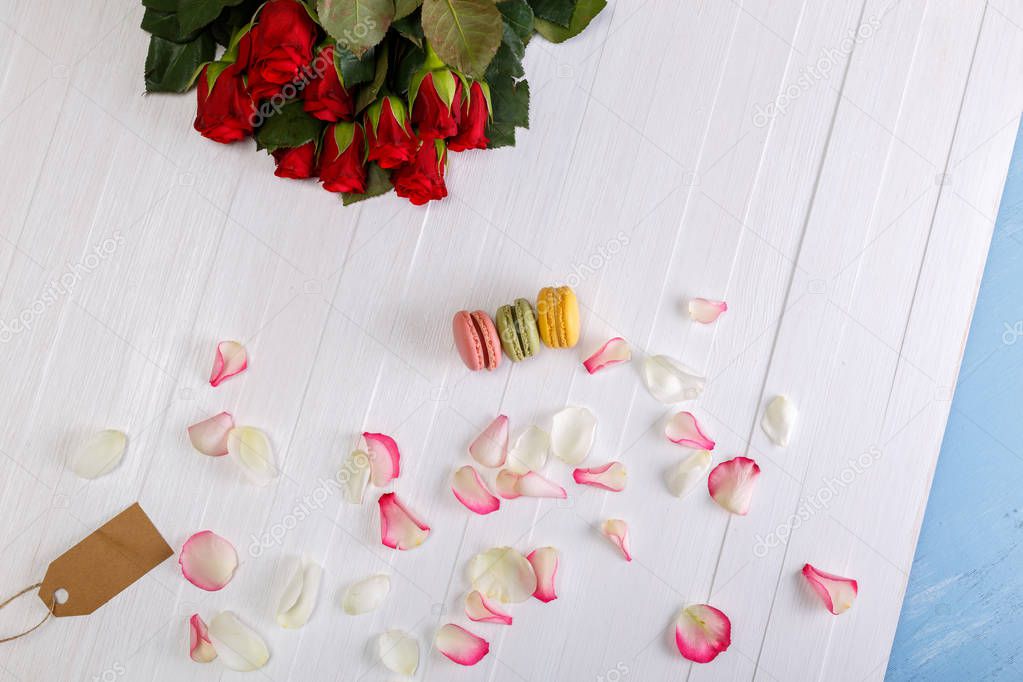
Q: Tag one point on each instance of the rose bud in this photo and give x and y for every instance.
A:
(422, 179)
(325, 96)
(278, 48)
(225, 112)
(389, 132)
(343, 159)
(436, 104)
(296, 162)
(472, 126)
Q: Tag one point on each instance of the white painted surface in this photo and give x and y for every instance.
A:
(850, 267)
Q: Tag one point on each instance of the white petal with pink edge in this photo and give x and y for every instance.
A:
(490, 448)
(503, 574)
(779, 420)
(238, 646)
(300, 592)
(507, 484)
(614, 352)
(200, 648)
(530, 451)
(210, 435)
(354, 477)
(100, 454)
(208, 561)
(837, 593)
(688, 473)
(732, 483)
(365, 595)
(460, 645)
(250, 448)
(545, 565)
(384, 458)
(479, 609)
(472, 492)
(702, 632)
(706, 311)
(231, 359)
(670, 381)
(683, 429)
(572, 433)
(399, 652)
(532, 484)
(612, 476)
(617, 531)
(399, 528)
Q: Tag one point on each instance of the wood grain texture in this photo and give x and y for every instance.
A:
(829, 168)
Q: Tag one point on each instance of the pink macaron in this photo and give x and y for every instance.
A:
(476, 339)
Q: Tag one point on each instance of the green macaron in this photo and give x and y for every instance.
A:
(516, 325)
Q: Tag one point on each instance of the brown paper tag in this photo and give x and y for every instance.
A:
(99, 567)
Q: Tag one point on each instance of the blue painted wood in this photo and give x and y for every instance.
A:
(963, 614)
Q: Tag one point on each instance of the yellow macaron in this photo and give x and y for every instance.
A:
(557, 315)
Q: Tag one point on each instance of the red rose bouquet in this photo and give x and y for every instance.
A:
(366, 95)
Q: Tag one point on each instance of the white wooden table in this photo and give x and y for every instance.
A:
(838, 189)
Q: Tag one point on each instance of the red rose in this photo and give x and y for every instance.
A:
(277, 48)
(437, 105)
(391, 140)
(472, 128)
(422, 179)
(296, 162)
(343, 160)
(225, 112)
(324, 96)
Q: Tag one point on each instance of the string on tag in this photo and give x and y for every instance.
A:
(49, 612)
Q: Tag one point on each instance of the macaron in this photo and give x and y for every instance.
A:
(476, 339)
(516, 325)
(557, 314)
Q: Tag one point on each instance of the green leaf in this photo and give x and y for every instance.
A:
(555, 11)
(170, 66)
(510, 100)
(581, 18)
(352, 69)
(378, 182)
(411, 29)
(161, 5)
(410, 62)
(194, 14)
(519, 16)
(165, 25)
(369, 91)
(464, 33)
(356, 24)
(289, 127)
(403, 8)
(500, 135)
(508, 60)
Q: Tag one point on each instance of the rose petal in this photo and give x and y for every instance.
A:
(705, 310)
(231, 359)
(688, 473)
(470, 490)
(545, 565)
(208, 561)
(491, 447)
(355, 476)
(250, 448)
(507, 484)
(460, 645)
(612, 476)
(731, 484)
(614, 352)
(617, 531)
(837, 593)
(532, 484)
(530, 451)
(503, 574)
(300, 593)
(480, 610)
(702, 632)
(399, 528)
(779, 420)
(238, 646)
(399, 652)
(100, 454)
(366, 595)
(384, 458)
(670, 381)
(210, 435)
(572, 433)
(200, 648)
(683, 429)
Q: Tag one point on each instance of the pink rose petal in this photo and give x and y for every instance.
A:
(471, 491)
(837, 593)
(507, 484)
(731, 484)
(706, 311)
(200, 648)
(614, 352)
(545, 564)
(532, 484)
(491, 447)
(479, 609)
(384, 458)
(210, 435)
(231, 359)
(683, 429)
(702, 632)
(617, 531)
(208, 561)
(611, 476)
(460, 645)
(399, 528)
